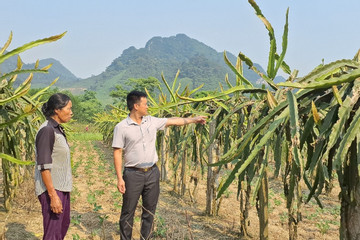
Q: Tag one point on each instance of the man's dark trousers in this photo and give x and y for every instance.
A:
(139, 183)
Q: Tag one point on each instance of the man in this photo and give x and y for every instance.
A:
(134, 140)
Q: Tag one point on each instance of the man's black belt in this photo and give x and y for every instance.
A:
(142, 169)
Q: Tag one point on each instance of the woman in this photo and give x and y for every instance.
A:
(53, 180)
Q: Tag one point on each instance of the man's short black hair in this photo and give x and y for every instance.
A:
(134, 97)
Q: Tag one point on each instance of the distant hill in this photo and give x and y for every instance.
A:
(197, 62)
(57, 70)
(40, 79)
(8, 65)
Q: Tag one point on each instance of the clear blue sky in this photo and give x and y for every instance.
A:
(99, 31)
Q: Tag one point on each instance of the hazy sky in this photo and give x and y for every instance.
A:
(99, 31)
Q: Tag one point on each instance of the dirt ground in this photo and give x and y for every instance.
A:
(96, 206)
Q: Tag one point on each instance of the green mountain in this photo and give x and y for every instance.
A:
(197, 62)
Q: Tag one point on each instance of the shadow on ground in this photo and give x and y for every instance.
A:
(17, 231)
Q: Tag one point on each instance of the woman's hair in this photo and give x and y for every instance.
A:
(56, 101)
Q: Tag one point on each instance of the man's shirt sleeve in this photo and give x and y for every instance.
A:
(44, 144)
(118, 138)
(160, 123)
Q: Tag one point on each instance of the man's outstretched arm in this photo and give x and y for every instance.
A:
(178, 121)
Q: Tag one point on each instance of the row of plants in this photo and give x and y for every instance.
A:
(306, 127)
(86, 199)
(20, 116)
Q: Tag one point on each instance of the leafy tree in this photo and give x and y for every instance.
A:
(151, 84)
(119, 95)
(88, 95)
(86, 106)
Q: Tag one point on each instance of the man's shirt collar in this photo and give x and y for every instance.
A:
(129, 121)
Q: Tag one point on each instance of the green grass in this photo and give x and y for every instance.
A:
(83, 132)
(76, 219)
(283, 217)
(277, 202)
(323, 226)
(161, 229)
(86, 136)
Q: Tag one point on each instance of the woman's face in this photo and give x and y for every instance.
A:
(64, 114)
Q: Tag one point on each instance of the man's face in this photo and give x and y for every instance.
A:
(142, 106)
